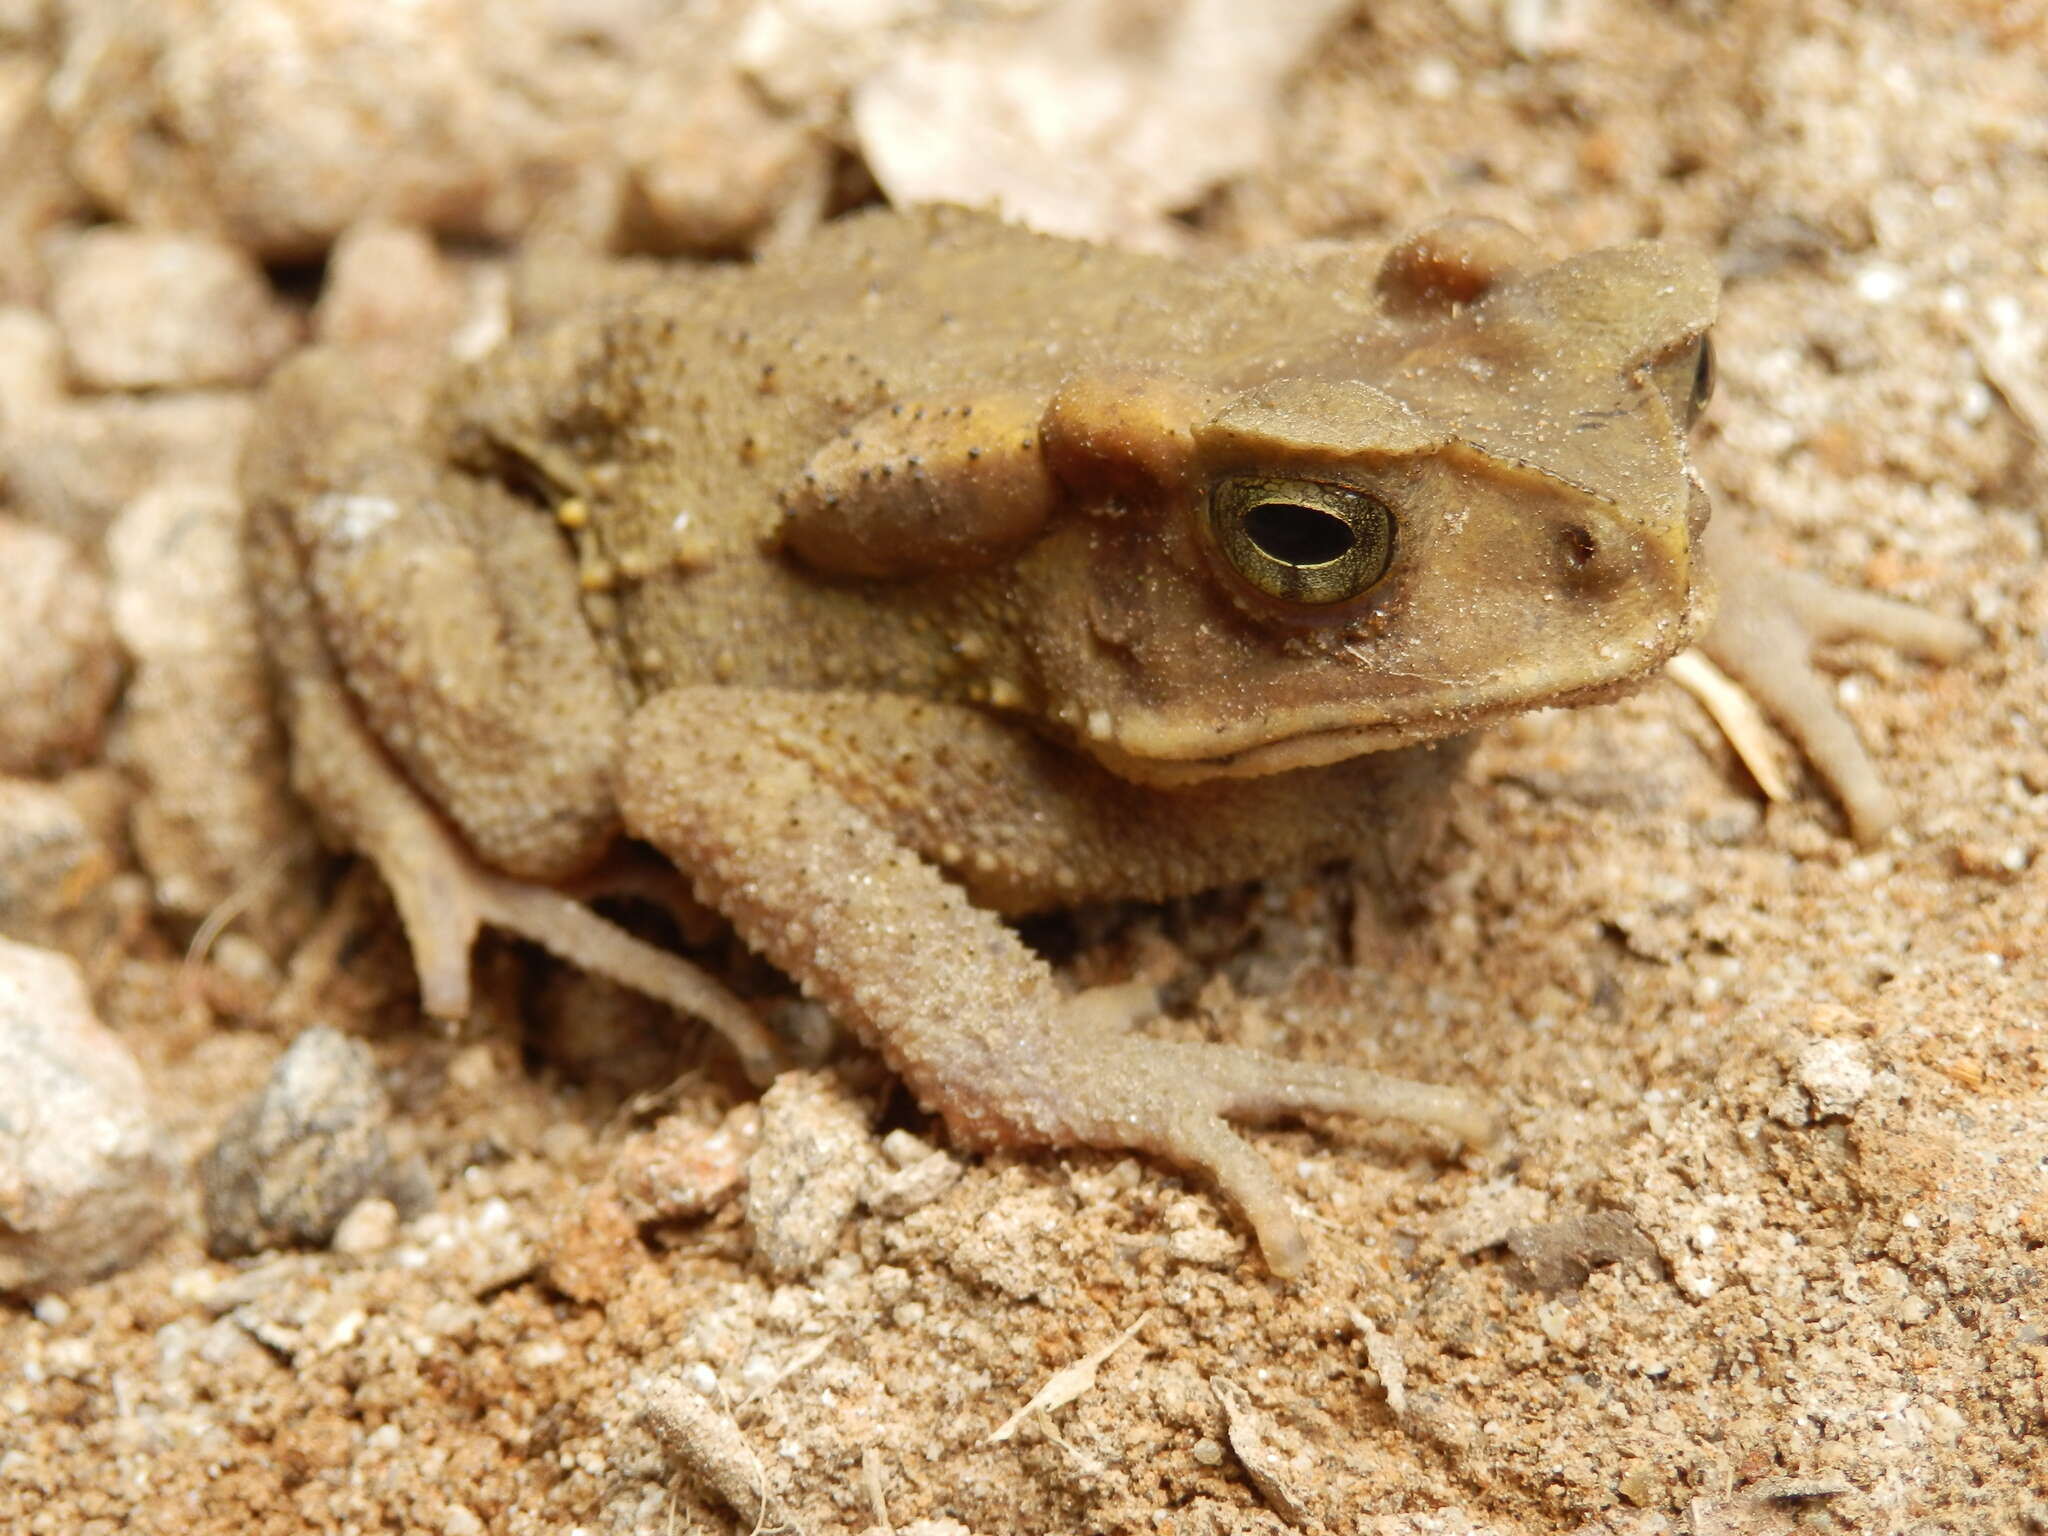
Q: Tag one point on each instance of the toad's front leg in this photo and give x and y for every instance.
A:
(1764, 635)
(751, 793)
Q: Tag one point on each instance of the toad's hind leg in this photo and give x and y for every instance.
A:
(799, 816)
(449, 610)
(337, 449)
(1764, 634)
(445, 896)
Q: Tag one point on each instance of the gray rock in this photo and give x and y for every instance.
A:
(297, 1158)
(85, 1175)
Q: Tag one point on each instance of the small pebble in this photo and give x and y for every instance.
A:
(297, 1158)
(807, 1175)
(155, 309)
(371, 1227)
(58, 662)
(1836, 1074)
(680, 1170)
(217, 820)
(387, 284)
(54, 869)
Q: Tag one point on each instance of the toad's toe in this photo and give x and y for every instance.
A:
(1764, 635)
(1171, 1099)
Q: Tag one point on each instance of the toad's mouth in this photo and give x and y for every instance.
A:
(1158, 748)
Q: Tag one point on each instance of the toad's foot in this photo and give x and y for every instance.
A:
(1174, 1100)
(750, 792)
(1764, 635)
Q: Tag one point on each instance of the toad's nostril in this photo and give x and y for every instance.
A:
(1578, 544)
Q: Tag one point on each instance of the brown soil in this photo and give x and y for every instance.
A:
(1764, 1249)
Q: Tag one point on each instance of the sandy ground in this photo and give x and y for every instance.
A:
(1763, 1249)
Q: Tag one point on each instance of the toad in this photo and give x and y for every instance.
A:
(938, 572)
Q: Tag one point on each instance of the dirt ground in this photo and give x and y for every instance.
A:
(1763, 1247)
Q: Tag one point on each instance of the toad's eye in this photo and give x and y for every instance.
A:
(1301, 541)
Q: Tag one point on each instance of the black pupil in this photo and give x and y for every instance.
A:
(1296, 535)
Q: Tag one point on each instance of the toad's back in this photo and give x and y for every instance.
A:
(719, 387)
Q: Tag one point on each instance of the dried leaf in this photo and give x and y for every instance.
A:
(1067, 1384)
(1735, 712)
(1248, 1429)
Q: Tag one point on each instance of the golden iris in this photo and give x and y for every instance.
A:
(1306, 542)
